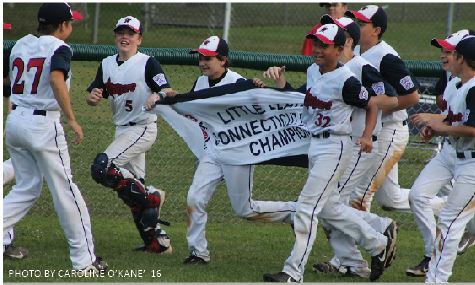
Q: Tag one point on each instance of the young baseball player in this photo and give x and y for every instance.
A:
(394, 134)
(440, 170)
(459, 125)
(126, 79)
(352, 263)
(332, 94)
(335, 10)
(35, 137)
(213, 63)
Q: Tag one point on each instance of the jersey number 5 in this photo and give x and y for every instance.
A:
(18, 87)
(128, 105)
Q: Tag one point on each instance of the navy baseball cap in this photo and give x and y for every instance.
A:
(371, 14)
(466, 47)
(329, 34)
(55, 13)
(345, 23)
(213, 46)
(129, 22)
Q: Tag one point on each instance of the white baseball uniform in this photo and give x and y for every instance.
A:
(393, 136)
(38, 148)
(238, 179)
(460, 206)
(127, 85)
(328, 105)
(8, 171)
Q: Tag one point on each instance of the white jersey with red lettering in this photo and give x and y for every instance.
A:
(127, 89)
(203, 81)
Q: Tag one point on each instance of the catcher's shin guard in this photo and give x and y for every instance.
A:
(155, 239)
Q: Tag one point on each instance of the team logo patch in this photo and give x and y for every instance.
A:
(363, 94)
(406, 82)
(466, 115)
(378, 88)
(160, 79)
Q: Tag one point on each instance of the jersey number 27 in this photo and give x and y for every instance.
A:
(18, 63)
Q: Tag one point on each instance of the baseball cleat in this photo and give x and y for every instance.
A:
(280, 277)
(468, 240)
(13, 252)
(97, 266)
(384, 259)
(344, 271)
(419, 270)
(193, 259)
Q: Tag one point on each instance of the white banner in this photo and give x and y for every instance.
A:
(245, 127)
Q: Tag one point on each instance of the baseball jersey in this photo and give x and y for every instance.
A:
(127, 85)
(461, 111)
(227, 77)
(394, 71)
(449, 90)
(441, 83)
(32, 59)
(330, 99)
(374, 83)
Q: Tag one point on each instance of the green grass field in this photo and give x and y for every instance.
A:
(241, 251)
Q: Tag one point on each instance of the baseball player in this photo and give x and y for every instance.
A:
(213, 63)
(394, 134)
(459, 125)
(440, 170)
(126, 79)
(40, 75)
(335, 10)
(352, 263)
(332, 94)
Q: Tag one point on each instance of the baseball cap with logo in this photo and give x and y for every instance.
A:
(213, 46)
(451, 41)
(466, 47)
(55, 13)
(345, 23)
(371, 14)
(129, 22)
(329, 34)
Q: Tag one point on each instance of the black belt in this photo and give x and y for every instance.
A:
(403, 123)
(462, 155)
(129, 124)
(374, 138)
(35, 112)
(324, 135)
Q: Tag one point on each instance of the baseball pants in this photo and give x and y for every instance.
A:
(39, 150)
(238, 180)
(457, 212)
(392, 141)
(328, 159)
(129, 147)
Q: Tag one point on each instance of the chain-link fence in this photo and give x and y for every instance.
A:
(259, 27)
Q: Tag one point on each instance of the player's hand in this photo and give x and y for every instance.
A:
(79, 135)
(258, 83)
(437, 127)
(277, 74)
(426, 134)
(169, 92)
(365, 143)
(95, 96)
(151, 101)
(420, 119)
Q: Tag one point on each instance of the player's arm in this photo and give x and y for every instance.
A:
(382, 93)
(157, 82)
(60, 66)
(394, 70)
(96, 89)
(356, 95)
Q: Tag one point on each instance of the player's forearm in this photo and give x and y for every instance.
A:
(406, 101)
(456, 131)
(371, 118)
(61, 93)
(385, 102)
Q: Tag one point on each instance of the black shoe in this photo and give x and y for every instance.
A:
(384, 259)
(419, 270)
(13, 252)
(280, 277)
(193, 259)
(98, 266)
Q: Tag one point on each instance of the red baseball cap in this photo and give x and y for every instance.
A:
(213, 46)
(330, 34)
(451, 41)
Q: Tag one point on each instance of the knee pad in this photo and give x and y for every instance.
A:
(99, 168)
(149, 219)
